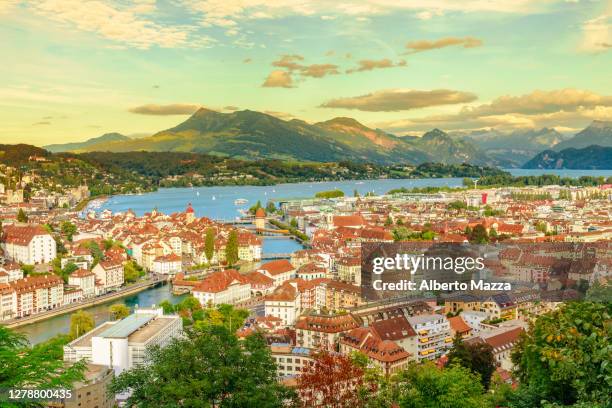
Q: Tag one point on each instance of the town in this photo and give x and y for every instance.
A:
(56, 258)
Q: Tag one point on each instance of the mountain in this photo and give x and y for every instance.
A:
(446, 149)
(18, 154)
(589, 158)
(597, 133)
(95, 143)
(516, 147)
(254, 135)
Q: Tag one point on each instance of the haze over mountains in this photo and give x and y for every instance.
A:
(251, 135)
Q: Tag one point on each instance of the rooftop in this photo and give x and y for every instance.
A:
(127, 326)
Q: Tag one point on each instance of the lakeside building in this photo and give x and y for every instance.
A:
(122, 345)
(30, 295)
(110, 274)
(28, 244)
(227, 286)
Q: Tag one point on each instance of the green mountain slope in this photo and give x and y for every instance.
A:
(589, 158)
(254, 135)
(90, 144)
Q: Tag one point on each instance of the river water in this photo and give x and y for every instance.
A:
(218, 203)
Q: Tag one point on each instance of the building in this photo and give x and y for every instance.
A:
(167, 264)
(384, 354)
(227, 286)
(322, 331)
(349, 269)
(122, 344)
(85, 280)
(290, 361)
(260, 219)
(433, 336)
(30, 295)
(280, 270)
(10, 271)
(501, 341)
(92, 391)
(29, 244)
(110, 274)
(284, 303)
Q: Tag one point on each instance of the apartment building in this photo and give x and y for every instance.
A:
(28, 243)
(433, 336)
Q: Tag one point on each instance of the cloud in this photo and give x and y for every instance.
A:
(597, 34)
(369, 65)
(123, 24)
(230, 108)
(165, 110)
(278, 79)
(394, 100)
(289, 62)
(566, 107)
(319, 70)
(247, 61)
(43, 122)
(426, 45)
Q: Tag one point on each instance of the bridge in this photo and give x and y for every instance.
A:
(271, 257)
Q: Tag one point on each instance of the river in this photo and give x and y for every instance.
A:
(218, 203)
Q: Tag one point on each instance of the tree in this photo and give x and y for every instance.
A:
(41, 366)
(206, 368)
(564, 358)
(132, 271)
(231, 248)
(388, 221)
(27, 269)
(167, 307)
(118, 311)
(224, 315)
(68, 229)
(478, 358)
(330, 194)
(479, 235)
(330, 381)
(67, 270)
(293, 223)
(22, 216)
(427, 386)
(209, 244)
(80, 323)
(270, 207)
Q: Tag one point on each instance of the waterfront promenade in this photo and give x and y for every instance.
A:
(72, 307)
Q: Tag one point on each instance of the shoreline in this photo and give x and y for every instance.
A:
(73, 307)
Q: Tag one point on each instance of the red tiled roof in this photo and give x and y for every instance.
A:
(277, 267)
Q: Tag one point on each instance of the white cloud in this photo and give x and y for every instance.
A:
(597, 34)
(125, 25)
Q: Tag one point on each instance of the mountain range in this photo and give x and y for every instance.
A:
(589, 158)
(252, 135)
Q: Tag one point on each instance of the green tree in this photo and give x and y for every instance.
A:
(22, 216)
(27, 269)
(68, 229)
(206, 368)
(479, 235)
(167, 307)
(80, 323)
(478, 358)
(565, 357)
(293, 223)
(132, 271)
(41, 366)
(388, 221)
(118, 311)
(270, 207)
(255, 207)
(209, 244)
(231, 248)
(427, 386)
(330, 194)
(67, 270)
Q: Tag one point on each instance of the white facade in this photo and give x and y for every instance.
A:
(433, 336)
(32, 246)
(122, 345)
(235, 292)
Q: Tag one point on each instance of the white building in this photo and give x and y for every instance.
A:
(85, 280)
(30, 295)
(122, 345)
(10, 272)
(167, 264)
(29, 244)
(284, 303)
(110, 274)
(281, 271)
(227, 286)
(433, 336)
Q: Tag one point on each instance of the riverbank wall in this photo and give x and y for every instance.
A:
(73, 307)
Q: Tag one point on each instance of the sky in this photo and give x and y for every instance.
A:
(75, 69)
